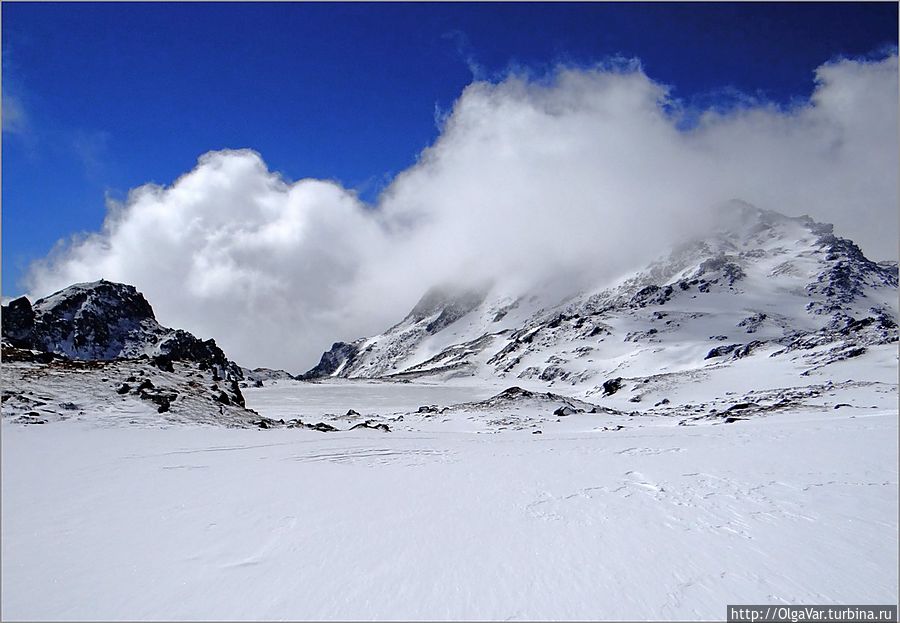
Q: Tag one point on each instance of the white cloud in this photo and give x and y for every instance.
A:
(568, 179)
(14, 119)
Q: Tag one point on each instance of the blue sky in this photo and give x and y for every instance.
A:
(100, 98)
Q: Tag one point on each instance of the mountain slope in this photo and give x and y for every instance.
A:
(764, 285)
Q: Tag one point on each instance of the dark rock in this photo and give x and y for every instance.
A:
(742, 406)
(652, 295)
(14, 353)
(752, 323)
(43, 357)
(664, 401)
(340, 353)
(321, 427)
(18, 323)
(237, 397)
(564, 411)
(731, 420)
(163, 362)
(558, 320)
(223, 398)
(145, 384)
(737, 351)
(720, 351)
(32, 417)
(552, 373)
(161, 397)
(843, 404)
(849, 274)
(181, 345)
(746, 349)
(537, 432)
(722, 267)
(611, 386)
(514, 393)
(124, 388)
(351, 412)
(372, 425)
(102, 321)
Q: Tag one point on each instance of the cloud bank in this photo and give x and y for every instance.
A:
(571, 178)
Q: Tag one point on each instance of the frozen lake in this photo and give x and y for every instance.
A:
(290, 399)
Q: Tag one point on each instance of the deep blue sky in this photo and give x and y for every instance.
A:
(115, 95)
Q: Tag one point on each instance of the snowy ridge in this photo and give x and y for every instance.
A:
(95, 351)
(763, 286)
(103, 321)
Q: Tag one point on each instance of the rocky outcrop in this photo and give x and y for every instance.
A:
(332, 361)
(18, 323)
(104, 321)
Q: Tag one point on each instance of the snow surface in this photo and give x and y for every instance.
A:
(452, 520)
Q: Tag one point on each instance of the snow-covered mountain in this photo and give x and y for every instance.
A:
(257, 376)
(100, 320)
(763, 286)
(97, 349)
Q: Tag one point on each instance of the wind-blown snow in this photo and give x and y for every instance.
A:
(652, 521)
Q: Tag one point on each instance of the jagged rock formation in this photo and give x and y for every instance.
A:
(438, 309)
(333, 361)
(103, 321)
(96, 349)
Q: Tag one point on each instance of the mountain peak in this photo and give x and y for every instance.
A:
(100, 320)
(102, 298)
(787, 281)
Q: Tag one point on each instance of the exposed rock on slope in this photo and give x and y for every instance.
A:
(334, 361)
(118, 391)
(103, 321)
(95, 349)
(257, 377)
(437, 310)
(765, 284)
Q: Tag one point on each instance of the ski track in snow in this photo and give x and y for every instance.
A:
(655, 521)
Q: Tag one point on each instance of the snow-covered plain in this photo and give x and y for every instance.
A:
(451, 520)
